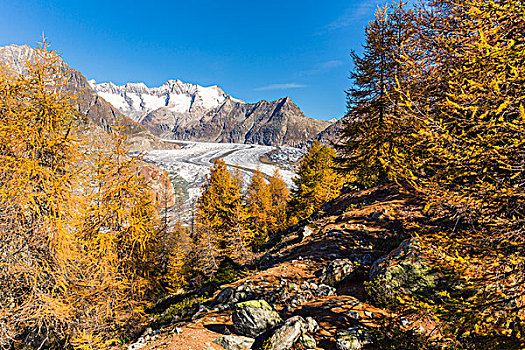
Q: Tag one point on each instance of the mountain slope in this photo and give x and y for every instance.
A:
(96, 115)
(318, 269)
(183, 111)
(329, 136)
(92, 106)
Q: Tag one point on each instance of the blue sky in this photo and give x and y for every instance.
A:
(253, 50)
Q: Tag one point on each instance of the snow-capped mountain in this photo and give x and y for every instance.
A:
(183, 111)
(137, 100)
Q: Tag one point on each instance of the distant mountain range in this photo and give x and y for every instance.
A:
(183, 111)
(179, 111)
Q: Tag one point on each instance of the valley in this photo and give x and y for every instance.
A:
(189, 165)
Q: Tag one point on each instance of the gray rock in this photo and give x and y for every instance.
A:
(137, 345)
(307, 232)
(354, 315)
(234, 342)
(354, 338)
(287, 334)
(323, 290)
(337, 271)
(225, 296)
(196, 310)
(313, 326)
(254, 317)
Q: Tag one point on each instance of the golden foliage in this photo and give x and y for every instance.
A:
(463, 154)
(77, 226)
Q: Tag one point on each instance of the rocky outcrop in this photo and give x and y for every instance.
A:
(354, 338)
(337, 271)
(253, 318)
(287, 334)
(328, 136)
(234, 342)
(293, 331)
(159, 183)
(404, 270)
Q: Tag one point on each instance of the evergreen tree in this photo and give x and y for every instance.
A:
(259, 202)
(373, 128)
(279, 198)
(317, 182)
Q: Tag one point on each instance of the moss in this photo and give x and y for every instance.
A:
(174, 310)
(259, 304)
(229, 271)
(412, 277)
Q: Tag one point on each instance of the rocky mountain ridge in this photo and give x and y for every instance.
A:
(98, 114)
(136, 100)
(182, 111)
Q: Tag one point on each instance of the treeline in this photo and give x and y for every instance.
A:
(437, 105)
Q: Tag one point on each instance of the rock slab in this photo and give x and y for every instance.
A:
(254, 317)
(234, 342)
(287, 334)
(337, 271)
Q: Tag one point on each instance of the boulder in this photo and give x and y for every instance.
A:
(234, 342)
(136, 346)
(307, 232)
(323, 291)
(354, 338)
(225, 296)
(404, 270)
(337, 271)
(254, 317)
(287, 334)
(307, 342)
(313, 326)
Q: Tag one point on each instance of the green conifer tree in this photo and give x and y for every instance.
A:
(317, 182)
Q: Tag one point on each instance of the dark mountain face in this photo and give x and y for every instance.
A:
(328, 136)
(274, 123)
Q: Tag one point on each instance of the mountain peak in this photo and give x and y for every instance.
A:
(137, 99)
